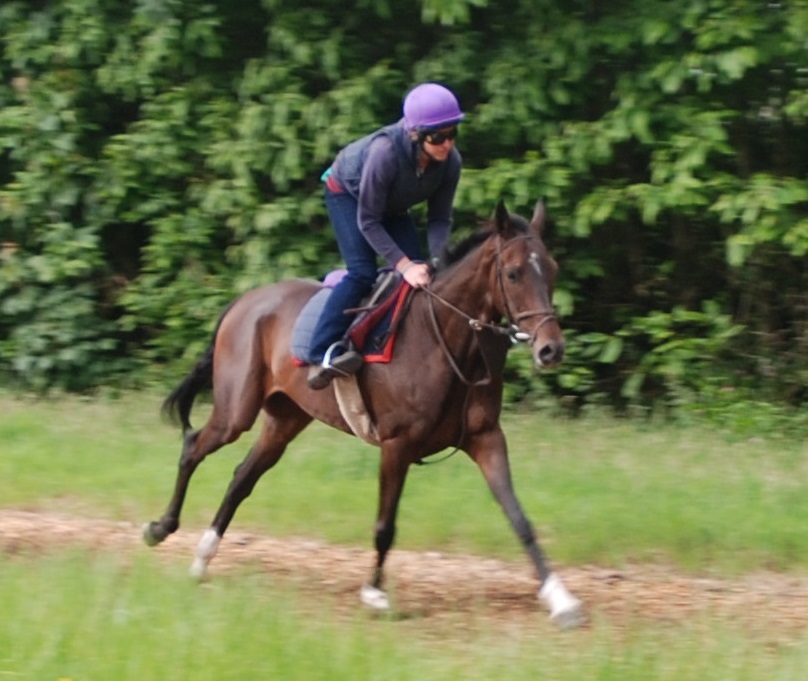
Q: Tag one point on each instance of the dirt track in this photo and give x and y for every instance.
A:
(429, 585)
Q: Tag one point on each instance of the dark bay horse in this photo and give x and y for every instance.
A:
(443, 388)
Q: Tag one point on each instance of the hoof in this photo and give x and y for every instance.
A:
(566, 611)
(205, 551)
(374, 598)
(199, 570)
(569, 619)
(153, 534)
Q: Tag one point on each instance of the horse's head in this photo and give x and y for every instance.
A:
(526, 274)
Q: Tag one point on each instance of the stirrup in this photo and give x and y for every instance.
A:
(333, 354)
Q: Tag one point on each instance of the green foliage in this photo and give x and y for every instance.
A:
(158, 158)
(676, 352)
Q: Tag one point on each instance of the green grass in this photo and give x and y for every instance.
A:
(82, 616)
(599, 491)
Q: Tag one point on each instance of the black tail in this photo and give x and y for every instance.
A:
(177, 406)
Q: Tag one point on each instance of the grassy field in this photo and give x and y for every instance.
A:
(600, 492)
(83, 617)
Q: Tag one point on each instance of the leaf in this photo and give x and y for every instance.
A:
(611, 350)
(735, 63)
(738, 248)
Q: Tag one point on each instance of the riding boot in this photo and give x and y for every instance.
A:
(338, 361)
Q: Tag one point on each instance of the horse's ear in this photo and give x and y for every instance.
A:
(539, 218)
(502, 218)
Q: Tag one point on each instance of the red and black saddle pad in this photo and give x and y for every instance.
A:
(372, 333)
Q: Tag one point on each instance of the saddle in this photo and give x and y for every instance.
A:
(372, 332)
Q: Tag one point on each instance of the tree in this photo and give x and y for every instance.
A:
(159, 157)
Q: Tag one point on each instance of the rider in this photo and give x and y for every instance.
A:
(369, 190)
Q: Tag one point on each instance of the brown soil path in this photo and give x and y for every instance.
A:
(433, 586)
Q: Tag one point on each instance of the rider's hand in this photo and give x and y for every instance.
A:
(416, 274)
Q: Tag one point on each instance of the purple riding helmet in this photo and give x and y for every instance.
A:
(430, 106)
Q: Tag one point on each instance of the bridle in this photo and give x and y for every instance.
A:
(511, 329)
(545, 316)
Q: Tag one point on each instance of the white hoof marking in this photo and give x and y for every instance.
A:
(566, 611)
(374, 598)
(205, 550)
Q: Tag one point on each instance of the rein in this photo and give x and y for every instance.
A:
(476, 325)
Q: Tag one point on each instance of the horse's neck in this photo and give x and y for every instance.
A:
(469, 287)
(438, 332)
(465, 294)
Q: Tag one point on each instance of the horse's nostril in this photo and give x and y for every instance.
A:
(551, 353)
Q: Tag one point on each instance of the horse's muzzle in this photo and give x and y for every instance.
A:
(548, 353)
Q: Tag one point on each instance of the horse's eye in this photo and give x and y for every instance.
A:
(513, 275)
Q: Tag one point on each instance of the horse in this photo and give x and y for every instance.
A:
(442, 389)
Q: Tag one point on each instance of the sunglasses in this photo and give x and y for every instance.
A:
(439, 136)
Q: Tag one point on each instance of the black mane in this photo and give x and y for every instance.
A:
(460, 250)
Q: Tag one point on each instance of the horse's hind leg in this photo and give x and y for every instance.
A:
(283, 422)
(216, 433)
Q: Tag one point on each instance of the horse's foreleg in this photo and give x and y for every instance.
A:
(392, 476)
(490, 453)
(263, 455)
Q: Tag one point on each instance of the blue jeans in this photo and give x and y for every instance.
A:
(360, 261)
